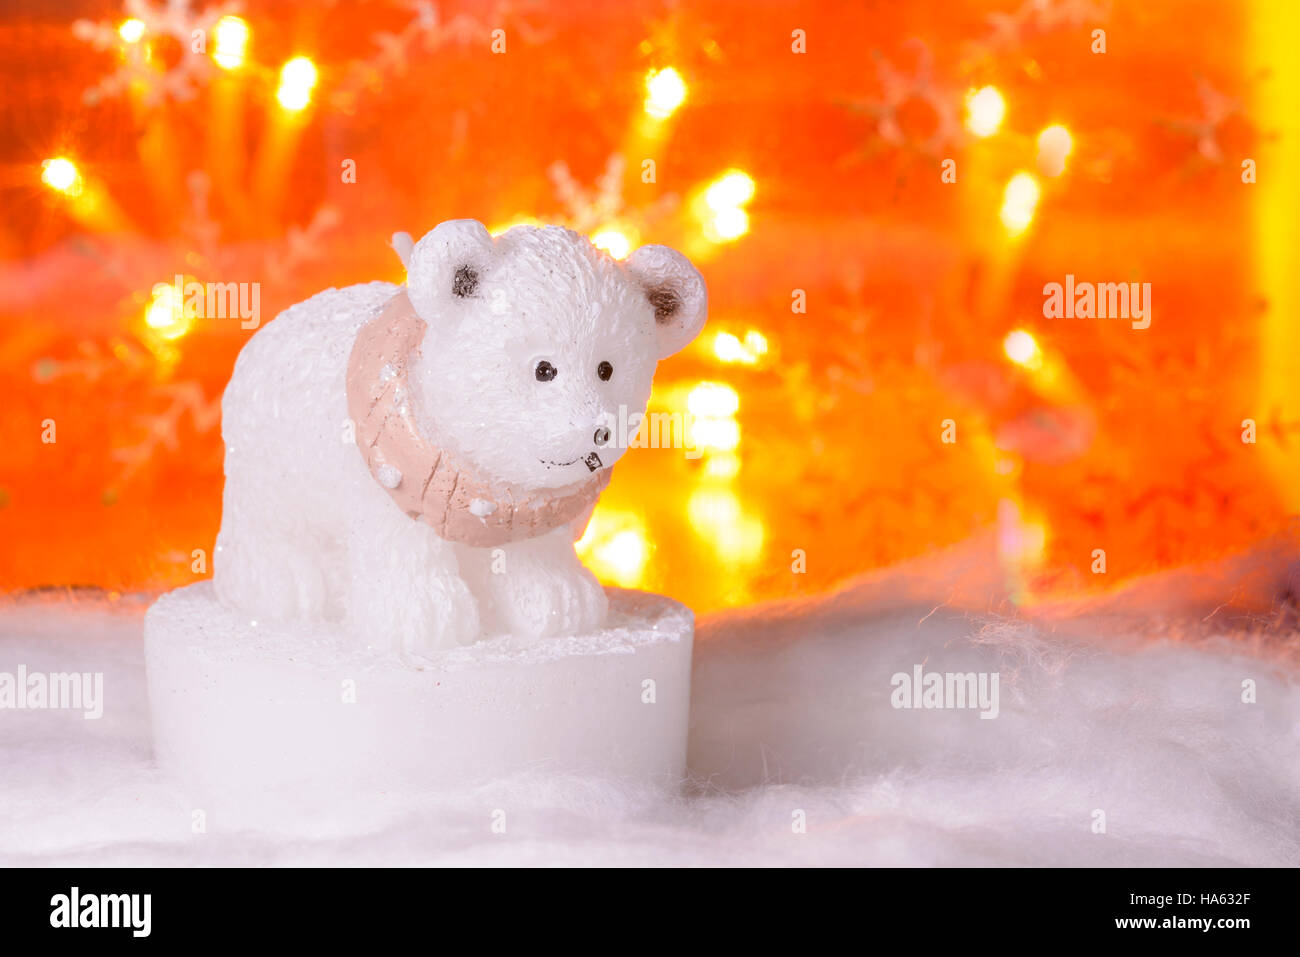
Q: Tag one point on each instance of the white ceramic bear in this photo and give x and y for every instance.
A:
(411, 461)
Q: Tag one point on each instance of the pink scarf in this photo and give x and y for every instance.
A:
(425, 481)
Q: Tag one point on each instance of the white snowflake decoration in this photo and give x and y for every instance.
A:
(589, 208)
(1009, 29)
(899, 88)
(426, 32)
(140, 68)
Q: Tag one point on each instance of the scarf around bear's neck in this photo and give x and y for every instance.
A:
(425, 481)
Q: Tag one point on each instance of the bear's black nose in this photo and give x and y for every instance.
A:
(601, 436)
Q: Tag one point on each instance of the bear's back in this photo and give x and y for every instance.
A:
(285, 407)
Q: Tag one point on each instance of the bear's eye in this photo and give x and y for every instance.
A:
(604, 370)
(545, 372)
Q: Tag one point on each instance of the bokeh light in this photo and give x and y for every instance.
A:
(665, 91)
(297, 80)
(985, 110)
(733, 188)
(61, 175)
(1019, 202)
(614, 241)
(132, 30)
(721, 206)
(1055, 144)
(1021, 348)
(728, 347)
(718, 517)
(231, 34)
(166, 315)
(616, 546)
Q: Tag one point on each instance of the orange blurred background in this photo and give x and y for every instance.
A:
(877, 194)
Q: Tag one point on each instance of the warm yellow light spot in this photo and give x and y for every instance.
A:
(711, 507)
(721, 206)
(1021, 348)
(624, 555)
(665, 90)
(1056, 138)
(730, 348)
(985, 110)
(724, 466)
(733, 188)
(726, 225)
(231, 35)
(131, 30)
(720, 434)
(712, 407)
(162, 311)
(517, 221)
(713, 400)
(616, 548)
(166, 315)
(1019, 201)
(613, 241)
(1054, 144)
(297, 80)
(61, 175)
(717, 516)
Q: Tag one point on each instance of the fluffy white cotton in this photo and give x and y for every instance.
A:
(791, 713)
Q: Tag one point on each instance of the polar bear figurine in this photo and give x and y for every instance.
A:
(412, 461)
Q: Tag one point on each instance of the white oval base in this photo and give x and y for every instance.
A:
(246, 713)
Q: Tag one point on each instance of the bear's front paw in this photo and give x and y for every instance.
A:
(446, 616)
(436, 614)
(542, 602)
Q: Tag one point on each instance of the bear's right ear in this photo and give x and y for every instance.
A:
(676, 292)
(445, 265)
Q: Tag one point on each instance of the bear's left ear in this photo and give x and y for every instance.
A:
(676, 292)
(444, 267)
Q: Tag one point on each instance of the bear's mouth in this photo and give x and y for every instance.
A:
(592, 461)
